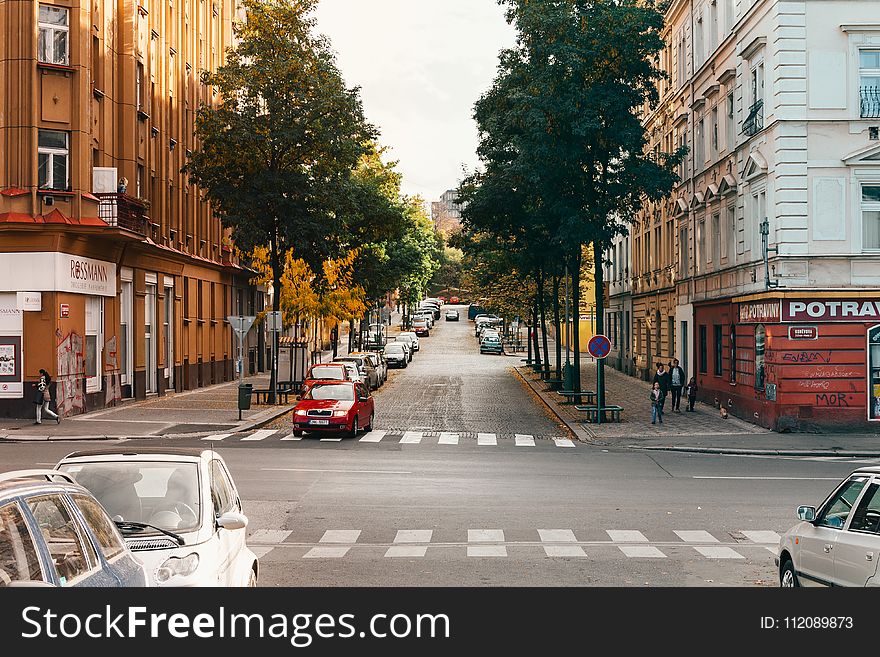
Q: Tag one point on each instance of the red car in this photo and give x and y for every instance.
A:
(334, 406)
(453, 300)
(324, 372)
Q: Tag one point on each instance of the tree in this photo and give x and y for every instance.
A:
(276, 154)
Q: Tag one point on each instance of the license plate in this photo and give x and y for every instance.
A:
(319, 421)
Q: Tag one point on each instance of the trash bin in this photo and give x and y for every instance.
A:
(244, 396)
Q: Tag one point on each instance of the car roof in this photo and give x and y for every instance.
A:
(868, 469)
(171, 453)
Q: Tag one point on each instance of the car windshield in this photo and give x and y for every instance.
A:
(160, 493)
(394, 349)
(336, 392)
(328, 372)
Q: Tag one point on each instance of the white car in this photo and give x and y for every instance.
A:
(178, 510)
(838, 544)
(412, 337)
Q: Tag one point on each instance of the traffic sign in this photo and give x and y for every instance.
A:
(599, 346)
(273, 320)
(241, 324)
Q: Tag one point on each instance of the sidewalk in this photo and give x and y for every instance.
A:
(703, 430)
(194, 413)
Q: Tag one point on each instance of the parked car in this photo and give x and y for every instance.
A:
(410, 343)
(441, 299)
(412, 337)
(474, 310)
(178, 509)
(451, 315)
(365, 368)
(325, 372)
(53, 532)
(425, 314)
(377, 358)
(486, 320)
(491, 344)
(420, 327)
(334, 406)
(354, 372)
(454, 300)
(837, 544)
(433, 306)
(396, 354)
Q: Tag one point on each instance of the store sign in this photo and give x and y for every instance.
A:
(836, 310)
(59, 272)
(803, 332)
(759, 312)
(29, 301)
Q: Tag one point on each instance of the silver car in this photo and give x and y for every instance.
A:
(365, 367)
(377, 358)
(837, 544)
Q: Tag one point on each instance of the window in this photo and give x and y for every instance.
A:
(713, 26)
(109, 540)
(714, 131)
(670, 335)
(760, 337)
(728, 16)
(139, 86)
(731, 233)
(704, 350)
(731, 126)
(18, 556)
(718, 354)
(715, 255)
(698, 42)
(139, 181)
(866, 518)
(683, 252)
(221, 493)
(681, 61)
(53, 43)
(871, 217)
(757, 78)
(869, 83)
(837, 509)
(700, 256)
(733, 353)
(66, 547)
(699, 146)
(52, 160)
(94, 342)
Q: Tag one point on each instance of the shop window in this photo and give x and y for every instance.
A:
(704, 350)
(94, 342)
(760, 338)
(718, 353)
(874, 372)
(733, 353)
(53, 43)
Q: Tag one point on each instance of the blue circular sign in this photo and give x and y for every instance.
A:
(599, 346)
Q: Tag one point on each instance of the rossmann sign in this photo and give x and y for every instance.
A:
(832, 310)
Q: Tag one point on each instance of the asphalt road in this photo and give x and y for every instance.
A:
(490, 508)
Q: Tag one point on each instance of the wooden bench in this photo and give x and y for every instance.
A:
(570, 397)
(592, 412)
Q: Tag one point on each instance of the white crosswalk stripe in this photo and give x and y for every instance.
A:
(292, 437)
(487, 439)
(564, 551)
(414, 536)
(563, 442)
(261, 434)
(326, 553)
(524, 440)
(411, 438)
(718, 552)
(217, 436)
(411, 551)
(698, 536)
(557, 536)
(761, 536)
(641, 551)
(447, 438)
(340, 536)
(269, 536)
(626, 536)
(375, 436)
(485, 536)
(331, 440)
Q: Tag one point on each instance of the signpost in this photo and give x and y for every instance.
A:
(241, 324)
(273, 323)
(599, 348)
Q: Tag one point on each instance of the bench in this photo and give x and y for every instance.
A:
(570, 397)
(262, 395)
(592, 414)
(552, 384)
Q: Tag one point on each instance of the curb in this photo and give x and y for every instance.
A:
(759, 452)
(575, 432)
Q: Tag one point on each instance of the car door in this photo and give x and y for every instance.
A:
(817, 541)
(21, 560)
(858, 547)
(363, 405)
(232, 541)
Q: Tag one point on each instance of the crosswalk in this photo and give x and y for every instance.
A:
(496, 543)
(401, 437)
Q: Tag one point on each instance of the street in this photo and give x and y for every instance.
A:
(468, 481)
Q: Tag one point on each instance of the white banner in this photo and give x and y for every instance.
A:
(57, 272)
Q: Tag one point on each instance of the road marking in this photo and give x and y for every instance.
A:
(269, 536)
(374, 436)
(260, 435)
(406, 551)
(486, 551)
(340, 536)
(775, 478)
(292, 437)
(719, 552)
(261, 551)
(524, 440)
(698, 536)
(564, 551)
(447, 438)
(626, 536)
(761, 536)
(217, 436)
(396, 472)
(326, 553)
(557, 536)
(563, 442)
(641, 551)
(486, 439)
(411, 438)
(485, 536)
(331, 440)
(414, 536)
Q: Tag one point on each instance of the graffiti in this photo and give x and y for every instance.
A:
(832, 399)
(814, 385)
(836, 373)
(114, 388)
(69, 392)
(807, 357)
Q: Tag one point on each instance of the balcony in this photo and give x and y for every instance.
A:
(869, 101)
(754, 122)
(125, 212)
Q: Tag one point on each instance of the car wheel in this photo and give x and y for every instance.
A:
(298, 433)
(787, 575)
(354, 428)
(252, 579)
(369, 426)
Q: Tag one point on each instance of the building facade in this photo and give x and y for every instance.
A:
(776, 219)
(115, 276)
(446, 213)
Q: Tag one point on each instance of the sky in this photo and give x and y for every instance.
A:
(421, 66)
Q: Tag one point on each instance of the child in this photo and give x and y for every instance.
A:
(691, 391)
(656, 403)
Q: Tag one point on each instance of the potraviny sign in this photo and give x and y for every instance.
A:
(831, 310)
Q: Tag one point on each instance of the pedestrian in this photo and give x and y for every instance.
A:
(691, 392)
(676, 383)
(656, 403)
(661, 376)
(42, 397)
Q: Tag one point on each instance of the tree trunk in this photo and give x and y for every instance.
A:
(576, 317)
(276, 307)
(335, 340)
(350, 335)
(557, 327)
(537, 362)
(543, 320)
(599, 285)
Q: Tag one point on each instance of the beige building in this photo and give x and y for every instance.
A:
(130, 275)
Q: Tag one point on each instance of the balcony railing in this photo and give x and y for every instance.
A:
(870, 102)
(125, 212)
(754, 122)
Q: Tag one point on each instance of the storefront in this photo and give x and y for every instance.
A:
(799, 361)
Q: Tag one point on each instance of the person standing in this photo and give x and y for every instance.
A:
(661, 376)
(691, 392)
(676, 383)
(42, 397)
(656, 403)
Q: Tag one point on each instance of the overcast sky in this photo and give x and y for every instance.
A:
(421, 65)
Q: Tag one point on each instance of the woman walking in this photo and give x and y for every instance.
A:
(691, 392)
(42, 397)
(657, 403)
